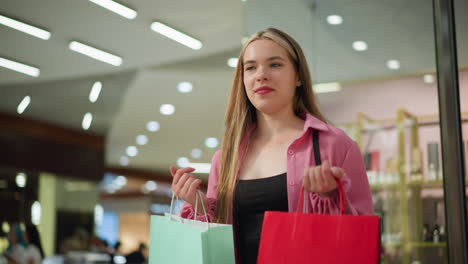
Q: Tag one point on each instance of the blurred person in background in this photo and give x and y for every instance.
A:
(117, 246)
(103, 246)
(115, 251)
(79, 241)
(16, 251)
(95, 243)
(137, 256)
(34, 251)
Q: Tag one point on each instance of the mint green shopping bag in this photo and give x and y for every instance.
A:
(177, 240)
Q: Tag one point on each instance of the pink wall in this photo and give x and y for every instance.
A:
(380, 100)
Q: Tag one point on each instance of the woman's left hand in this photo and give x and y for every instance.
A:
(321, 179)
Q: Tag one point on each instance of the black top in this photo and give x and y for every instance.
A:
(251, 199)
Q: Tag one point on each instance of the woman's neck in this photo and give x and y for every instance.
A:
(273, 126)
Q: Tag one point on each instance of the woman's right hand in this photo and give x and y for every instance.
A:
(185, 185)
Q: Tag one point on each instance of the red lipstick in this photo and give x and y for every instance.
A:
(263, 90)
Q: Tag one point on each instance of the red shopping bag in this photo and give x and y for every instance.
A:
(298, 238)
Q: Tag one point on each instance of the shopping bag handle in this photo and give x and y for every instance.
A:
(198, 196)
(171, 209)
(302, 203)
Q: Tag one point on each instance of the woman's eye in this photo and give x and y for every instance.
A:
(249, 68)
(275, 64)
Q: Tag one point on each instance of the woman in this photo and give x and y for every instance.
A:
(267, 148)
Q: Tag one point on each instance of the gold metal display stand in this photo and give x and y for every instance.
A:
(406, 211)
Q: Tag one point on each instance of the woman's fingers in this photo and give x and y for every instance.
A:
(194, 186)
(322, 179)
(326, 169)
(307, 179)
(173, 170)
(184, 189)
(337, 172)
(312, 181)
(179, 174)
(184, 184)
(317, 183)
(327, 177)
(183, 179)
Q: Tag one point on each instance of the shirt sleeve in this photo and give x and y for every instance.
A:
(357, 194)
(188, 210)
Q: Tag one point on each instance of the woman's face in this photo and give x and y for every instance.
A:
(270, 79)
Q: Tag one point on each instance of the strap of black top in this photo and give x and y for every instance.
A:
(315, 140)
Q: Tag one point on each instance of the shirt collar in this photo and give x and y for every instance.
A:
(313, 122)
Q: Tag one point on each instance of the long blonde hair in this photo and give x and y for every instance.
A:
(241, 114)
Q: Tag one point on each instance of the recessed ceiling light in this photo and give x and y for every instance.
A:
(141, 140)
(124, 161)
(152, 126)
(393, 64)
(175, 35)
(327, 87)
(429, 78)
(95, 91)
(232, 62)
(121, 180)
(196, 153)
(359, 45)
(36, 213)
(334, 19)
(183, 162)
(211, 142)
(5, 227)
(151, 185)
(167, 109)
(23, 104)
(87, 119)
(116, 8)
(95, 53)
(21, 179)
(23, 27)
(185, 87)
(19, 67)
(132, 151)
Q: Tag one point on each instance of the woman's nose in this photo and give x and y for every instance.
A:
(262, 74)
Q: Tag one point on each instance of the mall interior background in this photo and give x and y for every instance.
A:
(372, 63)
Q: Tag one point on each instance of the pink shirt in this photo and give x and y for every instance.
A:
(336, 147)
